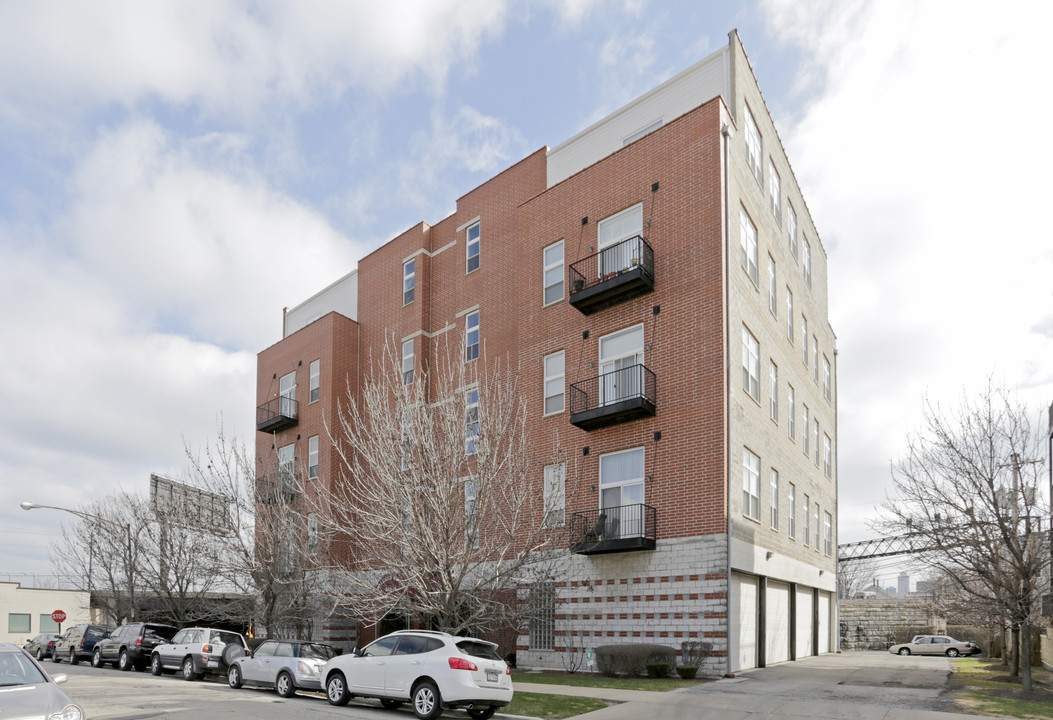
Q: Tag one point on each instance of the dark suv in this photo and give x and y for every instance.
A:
(78, 642)
(130, 645)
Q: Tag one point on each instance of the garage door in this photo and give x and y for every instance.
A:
(743, 622)
(777, 622)
(825, 606)
(804, 622)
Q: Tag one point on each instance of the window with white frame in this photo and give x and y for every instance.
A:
(791, 229)
(827, 378)
(815, 359)
(748, 245)
(773, 301)
(804, 428)
(816, 526)
(554, 494)
(750, 484)
(619, 240)
(542, 615)
(622, 493)
(773, 390)
(774, 190)
(828, 456)
(471, 236)
(791, 512)
(554, 383)
(750, 364)
(791, 414)
(804, 340)
(316, 380)
(287, 393)
(312, 457)
(789, 315)
(828, 534)
(286, 468)
(754, 148)
(552, 276)
(621, 359)
(19, 622)
(471, 421)
(471, 515)
(773, 499)
(408, 362)
(471, 336)
(409, 280)
(807, 521)
(815, 438)
(807, 252)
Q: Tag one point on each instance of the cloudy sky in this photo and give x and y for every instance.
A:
(172, 174)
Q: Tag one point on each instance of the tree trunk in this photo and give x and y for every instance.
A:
(1025, 657)
(1014, 652)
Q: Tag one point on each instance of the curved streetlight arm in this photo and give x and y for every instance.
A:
(79, 513)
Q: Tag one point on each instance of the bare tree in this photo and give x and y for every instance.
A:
(437, 502)
(966, 489)
(853, 576)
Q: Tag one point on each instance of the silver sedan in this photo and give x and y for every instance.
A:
(935, 645)
(26, 691)
(285, 665)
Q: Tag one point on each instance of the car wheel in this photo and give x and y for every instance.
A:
(953, 652)
(72, 656)
(124, 661)
(284, 685)
(188, 669)
(234, 677)
(336, 689)
(40, 653)
(904, 651)
(390, 704)
(96, 659)
(427, 704)
(483, 713)
(155, 665)
(55, 657)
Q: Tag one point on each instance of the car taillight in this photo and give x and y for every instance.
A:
(138, 642)
(206, 649)
(508, 669)
(457, 663)
(82, 642)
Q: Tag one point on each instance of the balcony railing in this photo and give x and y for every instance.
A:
(277, 414)
(615, 274)
(278, 486)
(614, 397)
(613, 529)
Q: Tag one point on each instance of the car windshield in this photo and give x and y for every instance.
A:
(317, 652)
(18, 669)
(478, 649)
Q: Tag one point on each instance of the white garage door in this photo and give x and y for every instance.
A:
(804, 622)
(743, 622)
(824, 622)
(777, 622)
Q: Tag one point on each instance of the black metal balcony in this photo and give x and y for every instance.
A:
(277, 414)
(277, 487)
(614, 529)
(614, 397)
(613, 275)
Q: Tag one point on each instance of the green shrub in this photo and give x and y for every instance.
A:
(687, 672)
(657, 669)
(631, 660)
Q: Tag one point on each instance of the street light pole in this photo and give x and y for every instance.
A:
(126, 527)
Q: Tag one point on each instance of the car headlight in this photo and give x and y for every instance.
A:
(70, 712)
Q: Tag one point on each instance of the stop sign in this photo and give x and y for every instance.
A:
(58, 616)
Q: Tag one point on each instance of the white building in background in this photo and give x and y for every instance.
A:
(26, 612)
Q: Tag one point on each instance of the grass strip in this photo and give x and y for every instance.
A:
(600, 681)
(551, 707)
(984, 686)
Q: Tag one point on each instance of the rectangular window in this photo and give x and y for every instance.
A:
(312, 532)
(773, 501)
(554, 494)
(816, 526)
(19, 622)
(287, 392)
(750, 485)
(773, 301)
(312, 457)
(791, 513)
(472, 249)
(408, 362)
(828, 456)
(804, 340)
(791, 414)
(316, 380)
(789, 315)
(748, 245)
(791, 229)
(774, 190)
(773, 391)
(471, 421)
(554, 383)
(807, 522)
(815, 359)
(622, 493)
(828, 534)
(47, 625)
(827, 378)
(619, 241)
(807, 252)
(553, 274)
(542, 616)
(804, 428)
(471, 516)
(409, 280)
(622, 366)
(286, 468)
(815, 438)
(750, 364)
(471, 336)
(754, 147)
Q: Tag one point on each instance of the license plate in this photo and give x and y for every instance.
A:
(491, 676)
(213, 663)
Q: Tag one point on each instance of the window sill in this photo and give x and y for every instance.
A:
(553, 414)
(554, 302)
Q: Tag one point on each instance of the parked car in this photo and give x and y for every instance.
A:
(41, 645)
(936, 645)
(432, 670)
(285, 665)
(197, 651)
(78, 642)
(35, 694)
(131, 645)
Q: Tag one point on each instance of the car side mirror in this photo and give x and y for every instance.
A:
(356, 651)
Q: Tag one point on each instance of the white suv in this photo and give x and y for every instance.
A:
(432, 670)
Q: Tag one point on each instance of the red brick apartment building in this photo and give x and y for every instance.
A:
(660, 282)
